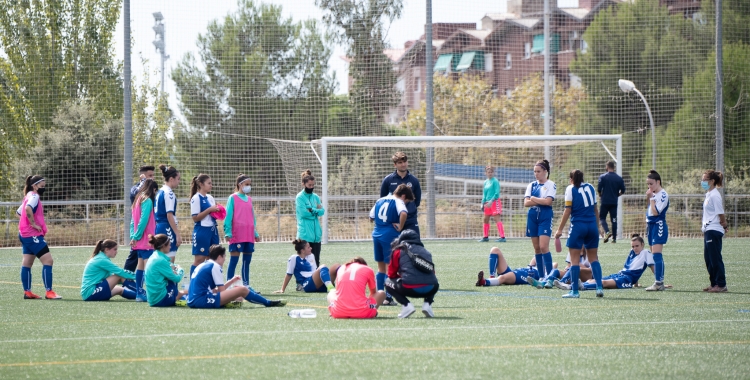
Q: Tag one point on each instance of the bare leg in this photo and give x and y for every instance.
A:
(230, 295)
(379, 298)
(535, 243)
(502, 264)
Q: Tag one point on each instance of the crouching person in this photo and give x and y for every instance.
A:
(411, 273)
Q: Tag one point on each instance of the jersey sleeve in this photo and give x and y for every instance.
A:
(718, 204)
(195, 205)
(230, 216)
(19, 211)
(110, 267)
(170, 202)
(416, 188)
(291, 264)
(217, 276)
(211, 200)
(372, 211)
(384, 186)
(552, 193)
(569, 196)
(649, 257)
(528, 191)
(400, 206)
(662, 200)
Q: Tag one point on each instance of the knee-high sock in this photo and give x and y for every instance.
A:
(192, 269)
(658, 267)
(547, 264)
(494, 258)
(26, 278)
(128, 293)
(233, 260)
(129, 284)
(589, 286)
(596, 270)
(246, 259)
(380, 281)
(257, 298)
(553, 276)
(139, 281)
(486, 229)
(539, 257)
(325, 276)
(500, 229)
(565, 279)
(575, 275)
(47, 276)
(603, 221)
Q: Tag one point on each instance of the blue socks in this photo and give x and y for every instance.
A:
(128, 294)
(232, 266)
(246, 259)
(494, 259)
(139, 281)
(192, 269)
(589, 286)
(566, 279)
(325, 275)
(539, 257)
(575, 275)
(257, 298)
(380, 281)
(47, 276)
(553, 276)
(596, 270)
(26, 278)
(130, 284)
(658, 267)
(547, 264)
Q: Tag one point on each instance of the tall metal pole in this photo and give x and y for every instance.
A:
(128, 121)
(547, 79)
(719, 92)
(653, 132)
(163, 58)
(429, 125)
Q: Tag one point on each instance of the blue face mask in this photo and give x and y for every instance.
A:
(704, 185)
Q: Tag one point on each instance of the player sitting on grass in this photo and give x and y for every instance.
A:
(349, 300)
(160, 276)
(562, 277)
(636, 263)
(310, 279)
(208, 290)
(502, 274)
(101, 276)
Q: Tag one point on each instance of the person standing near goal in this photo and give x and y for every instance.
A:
(610, 187)
(713, 227)
(165, 208)
(401, 176)
(656, 224)
(308, 209)
(539, 197)
(492, 205)
(239, 229)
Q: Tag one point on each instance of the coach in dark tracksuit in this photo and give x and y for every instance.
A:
(610, 187)
(146, 172)
(402, 176)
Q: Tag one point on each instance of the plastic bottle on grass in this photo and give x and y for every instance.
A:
(303, 313)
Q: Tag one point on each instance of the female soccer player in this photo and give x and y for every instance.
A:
(406, 279)
(165, 208)
(636, 263)
(713, 227)
(309, 277)
(539, 197)
(308, 209)
(492, 205)
(502, 274)
(205, 232)
(101, 276)
(656, 226)
(239, 229)
(161, 277)
(208, 289)
(349, 300)
(580, 207)
(31, 231)
(143, 215)
(561, 278)
(389, 214)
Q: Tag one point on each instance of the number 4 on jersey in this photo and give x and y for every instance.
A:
(383, 212)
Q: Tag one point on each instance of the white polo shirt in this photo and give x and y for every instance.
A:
(713, 206)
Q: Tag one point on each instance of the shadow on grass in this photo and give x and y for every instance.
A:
(700, 291)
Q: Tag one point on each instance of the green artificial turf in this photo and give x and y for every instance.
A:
(498, 332)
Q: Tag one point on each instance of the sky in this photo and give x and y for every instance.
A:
(186, 19)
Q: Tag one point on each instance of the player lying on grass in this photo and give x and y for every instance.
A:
(411, 273)
(503, 274)
(208, 290)
(635, 264)
(562, 277)
(101, 276)
(348, 300)
(310, 279)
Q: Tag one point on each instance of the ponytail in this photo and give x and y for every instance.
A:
(577, 177)
(717, 176)
(198, 180)
(101, 245)
(307, 176)
(158, 241)
(30, 182)
(168, 172)
(299, 245)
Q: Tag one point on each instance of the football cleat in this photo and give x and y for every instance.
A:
(28, 295)
(51, 295)
(656, 287)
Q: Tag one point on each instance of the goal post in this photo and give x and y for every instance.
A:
(489, 143)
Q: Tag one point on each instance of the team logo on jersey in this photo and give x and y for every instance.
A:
(239, 245)
(408, 184)
(171, 195)
(36, 240)
(203, 249)
(661, 228)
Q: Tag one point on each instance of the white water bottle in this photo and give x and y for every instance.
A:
(303, 313)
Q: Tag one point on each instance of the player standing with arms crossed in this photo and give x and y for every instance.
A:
(165, 208)
(656, 224)
(610, 187)
(239, 229)
(205, 232)
(539, 197)
(492, 205)
(401, 176)
(308, 209)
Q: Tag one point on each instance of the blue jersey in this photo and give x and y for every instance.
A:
(662, 205)
(386, 212)
(206, 277)
(166, 203)
(198, 204)
(581, 200)
(635, 265)
(302, 269)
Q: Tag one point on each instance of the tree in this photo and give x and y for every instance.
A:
(152, 123)
(359, 25)
(53, 51)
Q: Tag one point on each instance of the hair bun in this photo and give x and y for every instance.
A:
(634, 236)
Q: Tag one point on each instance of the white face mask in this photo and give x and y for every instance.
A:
(246, 189)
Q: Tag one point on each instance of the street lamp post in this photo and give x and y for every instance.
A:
(628, 86)
(159, 43)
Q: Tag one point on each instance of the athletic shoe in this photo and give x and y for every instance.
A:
(708, 288)
(549, 284)
(656, 287)
(427, 310)
(561, 285)
(500, 240)
(484, 240)
(141, 297)
(534, 283)
(236, 304)
(299, 287)
(599, 292)
(614, 241)
(406, 311)
(278, 303)
(183, 303)
(580, 285)
(718, 289)
(28, 295)
(607, 236)
(389, 301)
(571, 294)
(480, 279)
(51, 295)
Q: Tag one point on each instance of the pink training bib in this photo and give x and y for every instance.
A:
(243, 221)
(24, 225)
(143, 244)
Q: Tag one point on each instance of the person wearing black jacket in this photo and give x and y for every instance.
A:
(411, 273)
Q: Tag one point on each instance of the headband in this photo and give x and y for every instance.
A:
(542, 166)
(242, 179)
(37, 182)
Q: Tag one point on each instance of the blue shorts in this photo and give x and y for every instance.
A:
(242, 247)
(657, 232)
(507, 270)
(382, 246)
(583, 234)
(144, 254)
(539, 222)
(166, 229)
(102, 292)
(206, 301)
(622, 281)
(522, 273)
(170, 298)
(32, 245)
(203, 239)
(309, 287)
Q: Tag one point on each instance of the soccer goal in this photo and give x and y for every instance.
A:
(352, 170)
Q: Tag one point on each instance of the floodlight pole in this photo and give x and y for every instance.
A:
(127, 117)
(627, 86)
(160, 42)
(429, 124)
(547, 79)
